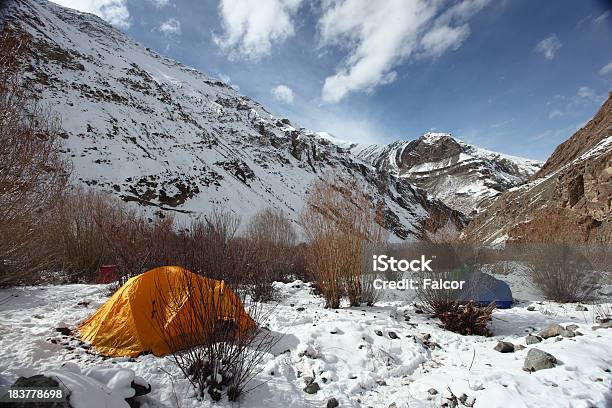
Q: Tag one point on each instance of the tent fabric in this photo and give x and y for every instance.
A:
(483, 289)
(161, 311)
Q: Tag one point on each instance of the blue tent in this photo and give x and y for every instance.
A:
(483, 289)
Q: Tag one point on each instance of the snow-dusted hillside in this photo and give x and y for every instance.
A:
(463, 176)
(158, 133)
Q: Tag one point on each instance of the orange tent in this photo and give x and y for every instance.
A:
(164, 310)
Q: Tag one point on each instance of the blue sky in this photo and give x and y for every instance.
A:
(516, 76)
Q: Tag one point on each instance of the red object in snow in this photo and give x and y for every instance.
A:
(107, 274)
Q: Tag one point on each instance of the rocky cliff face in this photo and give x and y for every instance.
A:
(168, 138)
(464, 177)
(568, 200)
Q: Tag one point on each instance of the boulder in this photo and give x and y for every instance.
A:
(332, 403)
(504, 347)
(312, 388)
(539, 360)
(551, 331)
(532, 339)
(581, 308)
(531, 308)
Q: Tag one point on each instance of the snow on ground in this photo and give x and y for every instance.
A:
(351, 353)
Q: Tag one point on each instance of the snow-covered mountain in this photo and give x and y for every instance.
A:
(465, 177)
(155, 132)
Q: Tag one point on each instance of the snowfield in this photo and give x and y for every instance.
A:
(382, 356)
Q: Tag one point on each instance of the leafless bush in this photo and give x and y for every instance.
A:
(33, 174)
(82, 248)
(468, 319)
(218, 347)
(339, 218)
(561, 272)
(270, 238)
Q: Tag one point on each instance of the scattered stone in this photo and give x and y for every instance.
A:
(606, 325)
(382, 383)
(378, 332)
(64, 330)
(581, 308)
(308, 380)
(532, 339)
(432, 391)
(539, 360)
(393, 335)
(300, 309)
(312, 388)
(332, 403)
(568, 333)
(504, 347)
(531, 308)
(418, 311)
(551, 331)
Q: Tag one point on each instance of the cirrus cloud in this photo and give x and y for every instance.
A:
(549, 46)
(172, 26)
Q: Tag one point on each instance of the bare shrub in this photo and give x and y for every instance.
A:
(33, 173)
(339, 218)
(270, 238)
(218, 348)
(81, 245)
(561, 272)
(468, 319)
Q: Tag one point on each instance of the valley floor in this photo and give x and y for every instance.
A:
(351, 353)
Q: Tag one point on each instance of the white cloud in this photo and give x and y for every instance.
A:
(549, 46)
(555, 113)
(113, 11)
(602, 17)
(380, 35)
(586, 92)
(606, 69)
(282, 93)
(160, 3)
(251, 28)
(171, 26)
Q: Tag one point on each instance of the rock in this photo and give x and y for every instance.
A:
(568, 333)
(300, 309)
(518, 347)
(532, 339)
(539, 360)
(312, 388)
(572, 327)
(551, 331)
(140, 388)
(393, 335)
(432, 391)
(308, 380)
(504, 347)
(581, 308)
(332, 403)
(378, 332)
(418, 311)
(531, 308)
(606, 325)
(64, 330)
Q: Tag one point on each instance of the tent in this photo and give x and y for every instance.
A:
(161, 311)
(483, 289)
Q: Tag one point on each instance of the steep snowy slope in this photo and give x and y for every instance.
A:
(569, 201)
(170, 138)
(463, 176)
